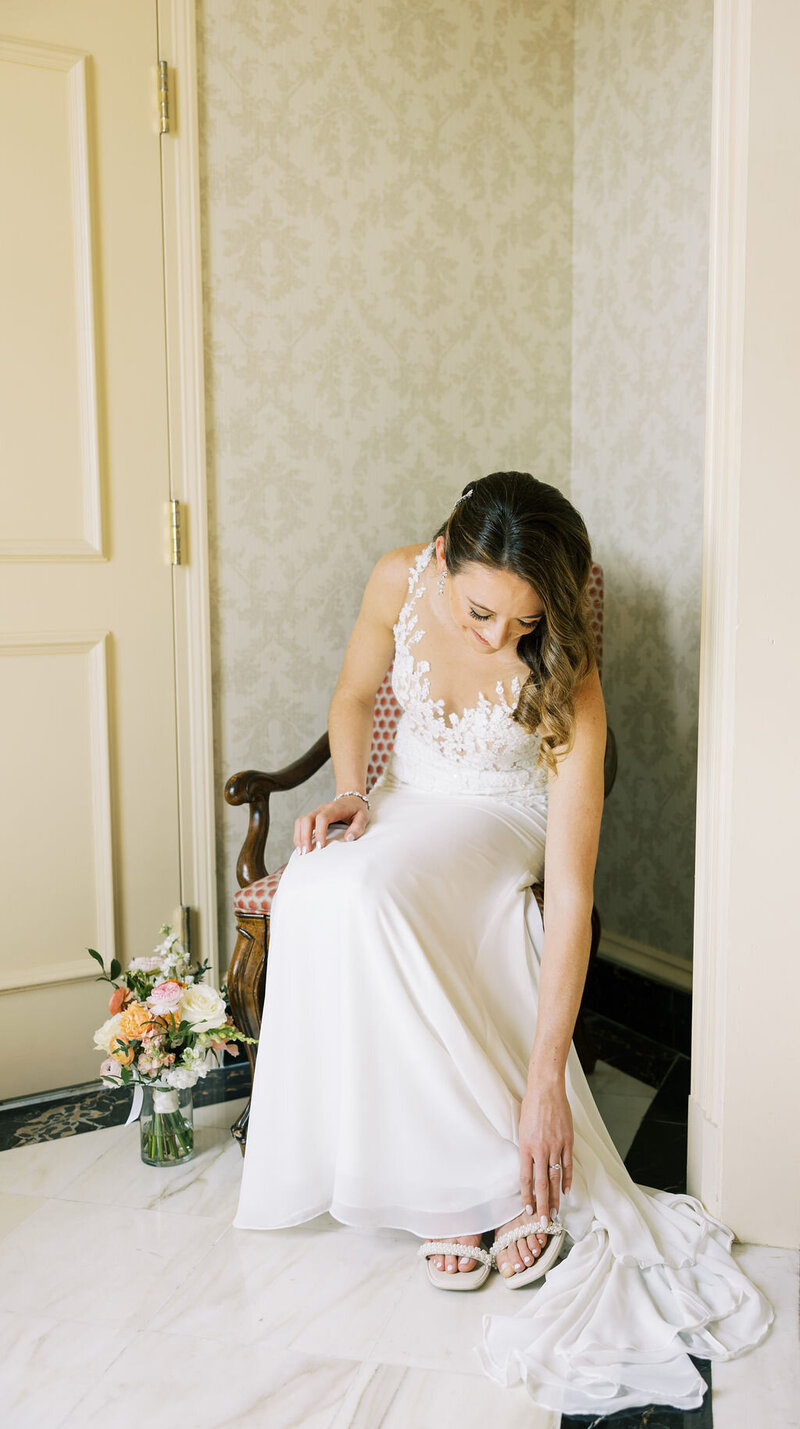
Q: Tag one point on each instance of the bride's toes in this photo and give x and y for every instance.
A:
(528, 1249)
(453, 1264)
(509, 1261)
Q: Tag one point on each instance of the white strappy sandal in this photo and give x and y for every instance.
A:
(458, 1279)
(542, 1263)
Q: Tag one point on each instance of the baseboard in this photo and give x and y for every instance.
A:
(655, 963)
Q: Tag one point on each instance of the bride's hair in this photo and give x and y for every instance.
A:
(515, 522)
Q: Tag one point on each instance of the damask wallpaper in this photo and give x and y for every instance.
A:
(640, 272)
(387, 198)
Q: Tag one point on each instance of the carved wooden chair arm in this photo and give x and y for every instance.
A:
(254, 788)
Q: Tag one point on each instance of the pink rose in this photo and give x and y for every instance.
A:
(165, 996)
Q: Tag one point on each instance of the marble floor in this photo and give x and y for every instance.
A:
(127, 1297)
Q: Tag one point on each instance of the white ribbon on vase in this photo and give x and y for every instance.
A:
(165, 1099)
(136, 1105)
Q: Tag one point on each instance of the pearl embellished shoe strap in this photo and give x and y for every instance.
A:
(530, 1228)
(455, 1247)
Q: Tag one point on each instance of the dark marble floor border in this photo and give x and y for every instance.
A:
(663, 1013)
(628, 1050)
(94, 1105)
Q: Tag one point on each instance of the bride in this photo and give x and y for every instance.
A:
(415, 1066)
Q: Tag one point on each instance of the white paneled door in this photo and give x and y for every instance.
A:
(89, 835)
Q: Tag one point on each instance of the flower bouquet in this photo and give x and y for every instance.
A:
(166, 1029)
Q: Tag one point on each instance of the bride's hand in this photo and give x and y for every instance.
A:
(546, 1139)
(348, 810)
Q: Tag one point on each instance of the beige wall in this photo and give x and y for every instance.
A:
(641, 156)
(387, 248)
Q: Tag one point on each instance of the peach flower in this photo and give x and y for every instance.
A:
(123, 1055)
(134, 1020)
(118, 998)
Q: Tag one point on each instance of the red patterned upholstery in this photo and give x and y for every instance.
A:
(384, 729)
(256, 899)
(595, 597)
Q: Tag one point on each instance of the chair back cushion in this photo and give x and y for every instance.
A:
(384, 728)
(595, 597)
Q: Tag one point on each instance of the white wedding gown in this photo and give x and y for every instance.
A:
(400, 1010)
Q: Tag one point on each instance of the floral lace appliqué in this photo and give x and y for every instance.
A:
(485, 736)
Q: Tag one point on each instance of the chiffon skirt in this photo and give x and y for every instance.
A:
(400, 1011)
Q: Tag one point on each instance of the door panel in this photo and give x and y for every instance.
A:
(89, 837)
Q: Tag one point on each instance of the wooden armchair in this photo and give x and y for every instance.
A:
(247, 973)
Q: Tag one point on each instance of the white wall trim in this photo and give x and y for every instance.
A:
(180, 170)
(655, 963)
(728, 226)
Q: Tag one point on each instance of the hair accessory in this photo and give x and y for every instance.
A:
(462, 498)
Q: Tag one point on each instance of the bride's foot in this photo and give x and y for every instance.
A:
(522, 1252)
(452, 1262)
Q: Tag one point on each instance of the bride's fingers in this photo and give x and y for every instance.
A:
(566, 1170)
(542, 1186)
(555, 1183)
(357, 826)
(302, 833)
(526, 1182)
(321, 828)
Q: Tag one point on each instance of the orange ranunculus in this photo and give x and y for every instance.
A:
(123, 1055)
(134, 1021)
(119, 997)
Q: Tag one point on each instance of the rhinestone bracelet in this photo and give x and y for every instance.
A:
(353, 794)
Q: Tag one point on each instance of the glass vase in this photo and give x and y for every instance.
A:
(166, 1128)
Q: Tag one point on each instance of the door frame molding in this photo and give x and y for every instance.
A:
(717, 718)
(183, 285)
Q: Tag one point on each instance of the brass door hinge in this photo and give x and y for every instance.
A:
(163, 96)
(175, 532)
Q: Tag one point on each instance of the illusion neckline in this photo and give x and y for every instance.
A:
(420, 669)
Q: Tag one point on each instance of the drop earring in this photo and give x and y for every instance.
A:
(440, 582)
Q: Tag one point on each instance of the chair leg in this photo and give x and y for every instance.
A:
(246, 985)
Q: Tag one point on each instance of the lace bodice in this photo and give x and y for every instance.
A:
(481, 751)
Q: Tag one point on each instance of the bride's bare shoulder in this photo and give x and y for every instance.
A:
(388, 584)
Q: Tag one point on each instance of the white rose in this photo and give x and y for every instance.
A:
(104, 1036)
(203, 1007)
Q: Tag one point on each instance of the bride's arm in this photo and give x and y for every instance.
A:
(367, 657)
(575, 807)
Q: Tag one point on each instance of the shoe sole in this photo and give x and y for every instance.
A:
(458, 1279)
